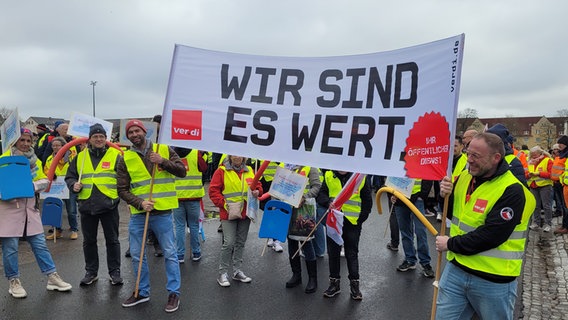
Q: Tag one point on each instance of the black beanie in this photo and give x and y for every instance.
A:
(563, 140)
(96, 128)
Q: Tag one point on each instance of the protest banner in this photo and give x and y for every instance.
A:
(386, 113)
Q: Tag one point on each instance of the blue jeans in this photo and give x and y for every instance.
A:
(39, 248)
(162, 225)
(461, 293)
(409, 225)
(187, 214)
(71, 208)
(319, 240)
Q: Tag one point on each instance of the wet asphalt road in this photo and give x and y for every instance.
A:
(387, 294)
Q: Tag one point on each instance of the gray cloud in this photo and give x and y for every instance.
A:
(51, 50)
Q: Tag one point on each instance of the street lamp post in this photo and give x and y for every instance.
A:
(93, 83)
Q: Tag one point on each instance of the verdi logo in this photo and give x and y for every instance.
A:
(186, 125)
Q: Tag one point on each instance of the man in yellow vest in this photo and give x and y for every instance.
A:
(92, 177)
(189, 192)
(563, 146)
(146, 181)
(486, 245)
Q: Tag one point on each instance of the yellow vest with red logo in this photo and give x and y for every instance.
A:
(507, 258)
(103, 176)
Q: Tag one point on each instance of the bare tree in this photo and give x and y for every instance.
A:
(467, 113)
(562, 113)
(546, 135)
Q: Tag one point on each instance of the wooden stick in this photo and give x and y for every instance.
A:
(264, 249)
(439, 262)
(143, 247)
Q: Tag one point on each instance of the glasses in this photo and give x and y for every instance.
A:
(476, 156)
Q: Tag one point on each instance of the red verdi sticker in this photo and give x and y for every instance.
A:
(480, 205)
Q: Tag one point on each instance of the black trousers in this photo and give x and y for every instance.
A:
(351, 235)
(90, 227)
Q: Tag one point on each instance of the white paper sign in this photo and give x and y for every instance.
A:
(402, 185)
(288, 186)
(79, 125)
(58, 190)
(10, 130)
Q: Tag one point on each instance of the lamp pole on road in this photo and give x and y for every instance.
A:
(93, 83)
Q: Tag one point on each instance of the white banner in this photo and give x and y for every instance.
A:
(387, 113)
(80, 125)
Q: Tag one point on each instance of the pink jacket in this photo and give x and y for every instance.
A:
(14, 219)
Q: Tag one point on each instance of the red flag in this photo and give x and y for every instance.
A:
(348, 189)
(334, 225)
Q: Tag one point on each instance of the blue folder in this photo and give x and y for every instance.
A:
(15, 178)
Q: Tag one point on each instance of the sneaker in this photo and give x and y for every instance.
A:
(74, 235)
(429, 213)
(354, 290)
(391, 247)
(181, 259)
(277, 246)
(405, 266)
(89, 279)
(173, 303)
(533, 226)
(223, 280)
(561, 230)
(439, 217)
(115, 278)
(50, 237)
(54, 282)
(16, 289)
(546, 228)
(133, 300)
(427, 271)
(240, 276)
(333, 288)
(270, 242)
(196, 257)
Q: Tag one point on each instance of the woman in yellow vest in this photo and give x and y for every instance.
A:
(60, 171)
(21, 218)
(228, 191)
(540, 183)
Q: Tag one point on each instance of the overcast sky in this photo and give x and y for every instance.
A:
(514, 58)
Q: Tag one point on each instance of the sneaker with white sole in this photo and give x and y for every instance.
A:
(134, 300)
(223, 280)
(16, 289)
(270, 243)
(240, 276)
(277, 246)
(54, 282)
(405, 266)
